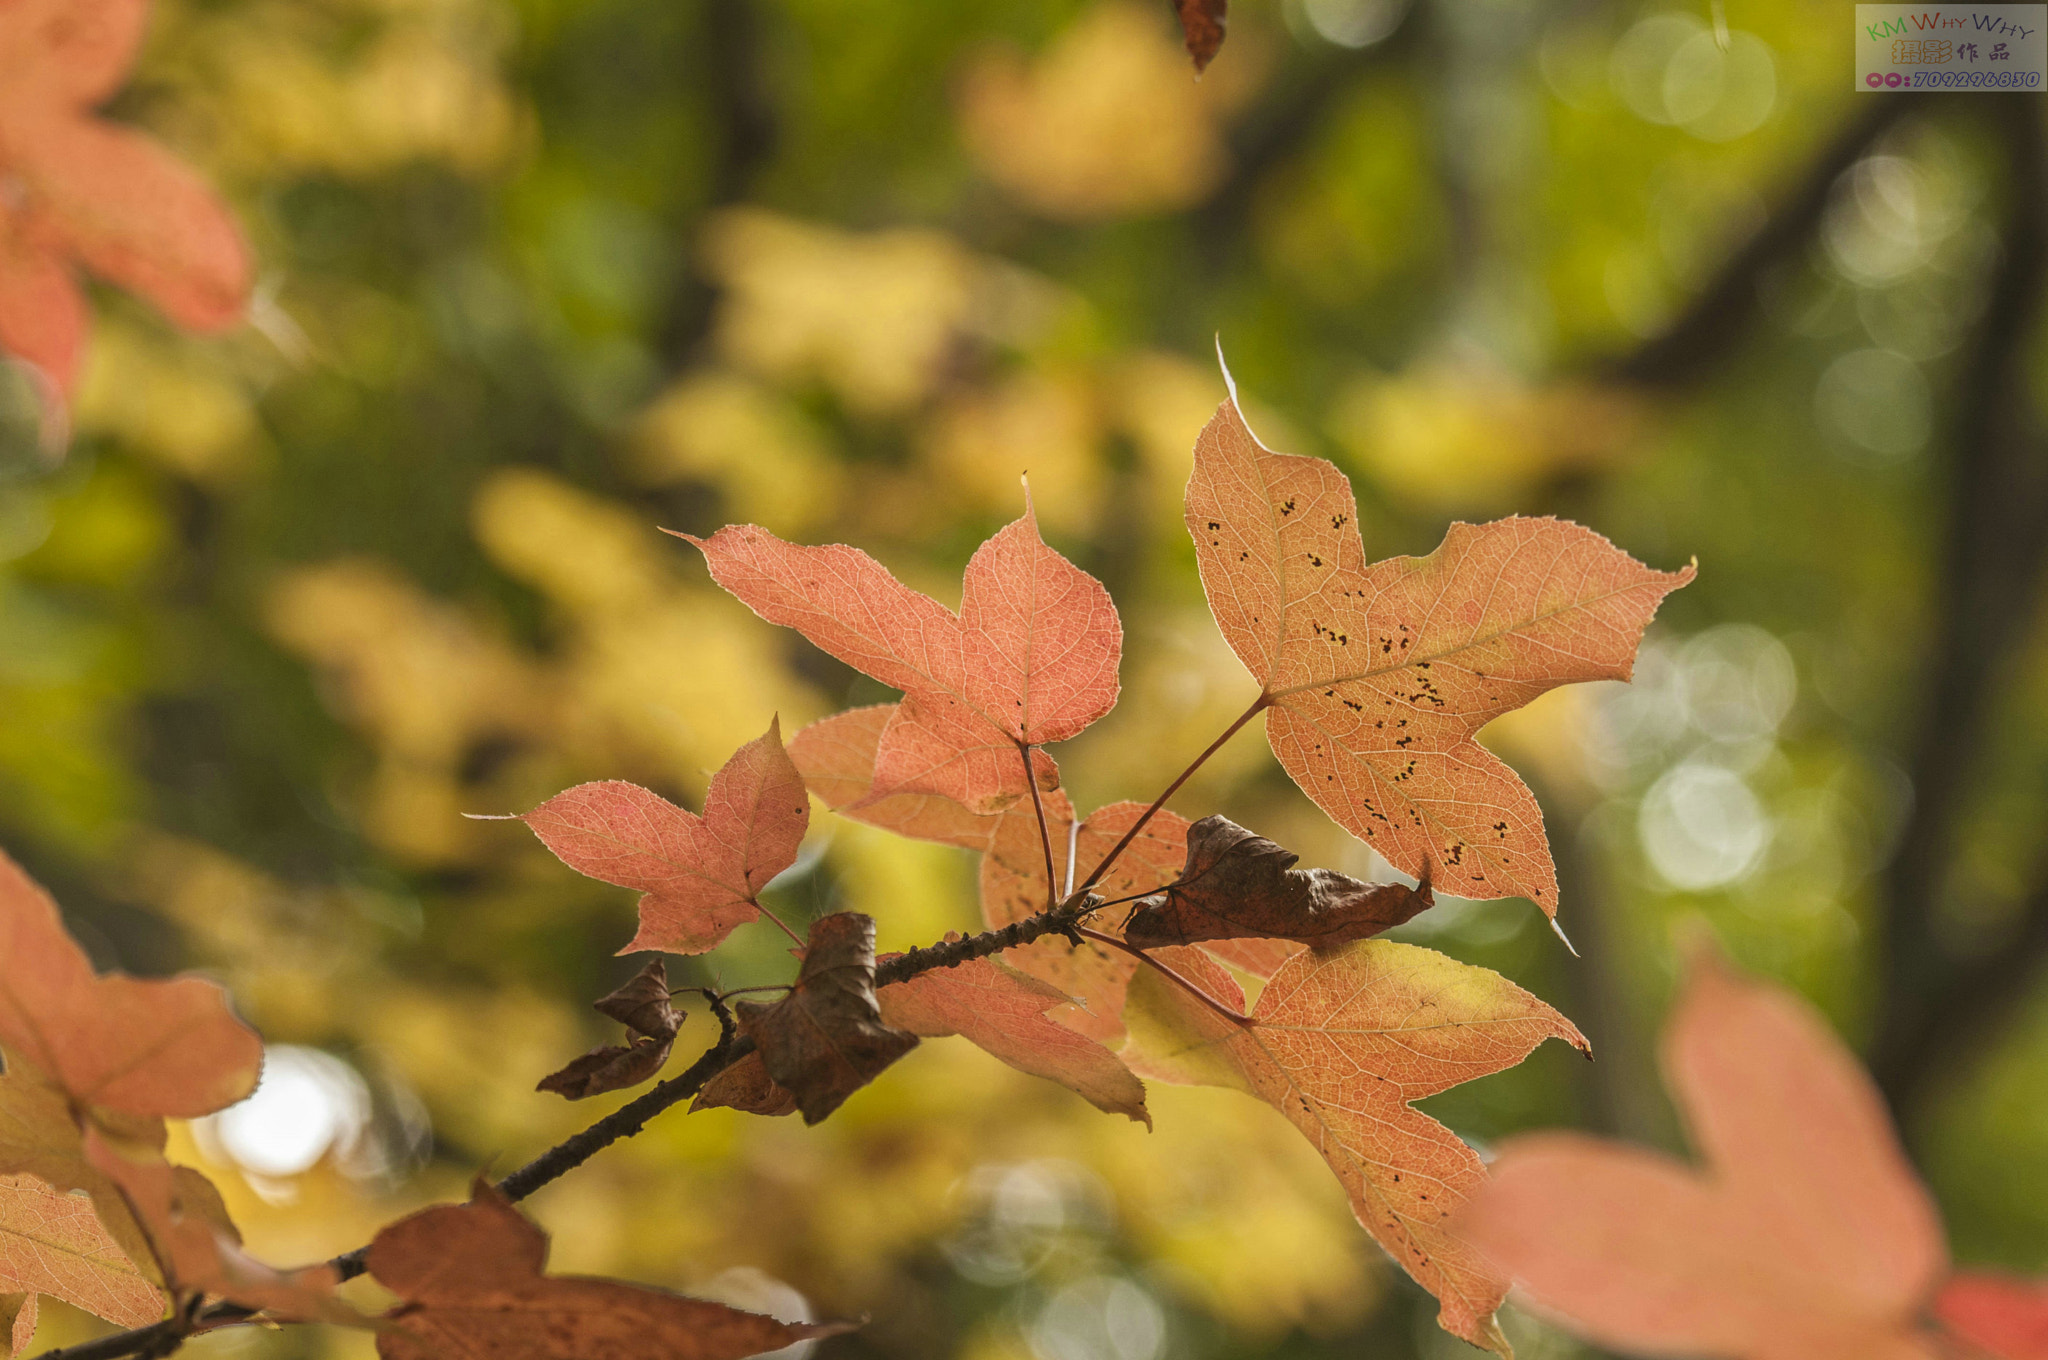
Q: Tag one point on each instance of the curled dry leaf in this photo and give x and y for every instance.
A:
(699, 876)
(86, 192)
(471, 1279)
(197, 1252)
(1003, 1012)
(1030, 658)
(118, 1043)
(1805, 1237)
(1236, 884)
(642, 1006)
(51, 1243)
(1342, 1044)
(1378, 677)
(2003, 1317)
(826, 1039)
(1201, 24)
(746, 1086)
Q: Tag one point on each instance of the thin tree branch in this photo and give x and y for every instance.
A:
(1171, 975)
(161, 1338)
(1259, 705)
(1934, 1003)
(1718, 318)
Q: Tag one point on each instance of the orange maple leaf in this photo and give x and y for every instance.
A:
(700, 877)
(470, 1276)
(2001, 1316)
(1030, 658)
(1806, 1235)
(197, 1249)
(50, 1243)
(1342, 1043)
(78, 191)
(1002, 1011)
(1378, 677)
(135, 1047)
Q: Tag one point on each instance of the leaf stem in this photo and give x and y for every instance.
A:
(779, 923)
(1259, 705)
(1052, 899)
(1191, 988)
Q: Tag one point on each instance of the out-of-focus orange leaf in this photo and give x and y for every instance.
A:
(827, 1039)
(87, 192)
(123, 1044)
(197, 1249)
(50, 1243)
(1003, 1012)
(1236, 884)
(1030, 658)
(641, 1004)
(1379, 677)
(1806, 1236)
(1342, 1044)
(2003, 1317)
(471, 1279)
(699, 876)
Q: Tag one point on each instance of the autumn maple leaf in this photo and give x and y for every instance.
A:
(642, 1005)
(470, 1277)
(134, 1047)
(51, 1243)
(1805, 1236)
(700, 877)
(1377, 678)
(78, 191)
(1341, 1043)
(1030, 658)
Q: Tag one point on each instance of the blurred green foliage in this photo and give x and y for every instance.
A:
(541, 275)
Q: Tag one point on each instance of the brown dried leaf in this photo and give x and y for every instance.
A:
(745, 1086)
(826, 1039)
(1237, 884)
(470, 1275)
(1201, 23)
(641, 1004)
(1003, 1012)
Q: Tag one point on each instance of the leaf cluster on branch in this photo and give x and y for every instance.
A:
(1117, 943)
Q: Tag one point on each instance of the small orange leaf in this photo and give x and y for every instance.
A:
(1201, 24)
(699, 876)
(1003, 1012)
(471, 1279)
(1030, 658)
